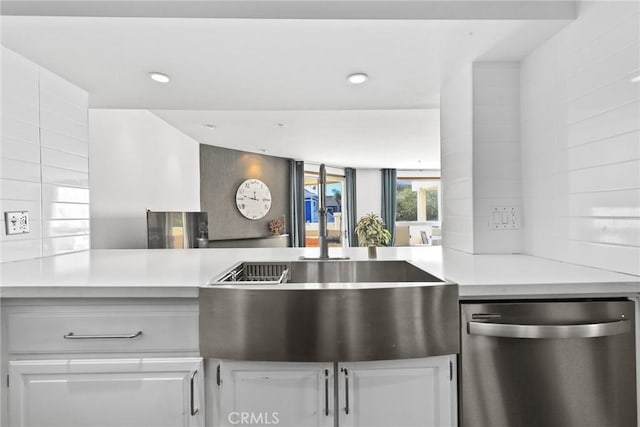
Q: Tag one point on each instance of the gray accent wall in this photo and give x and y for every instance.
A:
(222, 170)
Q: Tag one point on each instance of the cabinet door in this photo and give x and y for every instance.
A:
(400, 393)
(283, 394)
(106, 392)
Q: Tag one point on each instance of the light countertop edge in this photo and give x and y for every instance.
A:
(141, 273)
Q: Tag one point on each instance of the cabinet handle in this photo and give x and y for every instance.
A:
(346, 391)
(326, 392)
(72, 336)
(586, 330)
(194, 410)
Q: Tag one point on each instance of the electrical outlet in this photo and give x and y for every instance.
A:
(16, 222)
(504, 218)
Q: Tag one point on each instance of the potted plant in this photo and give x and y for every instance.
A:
(371, 232)
(276, 226)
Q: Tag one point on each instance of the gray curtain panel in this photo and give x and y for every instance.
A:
(296, 229)
(350, 184)
(388, 214)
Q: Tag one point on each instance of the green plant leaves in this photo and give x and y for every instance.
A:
(371, 231)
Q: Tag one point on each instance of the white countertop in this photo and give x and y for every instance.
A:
(162, 273)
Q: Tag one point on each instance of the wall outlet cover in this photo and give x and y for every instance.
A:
(504, 218)
(16, 222)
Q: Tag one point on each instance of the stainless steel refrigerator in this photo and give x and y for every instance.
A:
(177, 229)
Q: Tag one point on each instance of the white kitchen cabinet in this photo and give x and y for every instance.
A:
(100, 362)
(283, 394)
(139, 392)
(399, 393)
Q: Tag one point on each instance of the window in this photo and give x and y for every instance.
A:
(418, 210)
(406, 202)
(418, 200)
(336, 222)
(432, 194)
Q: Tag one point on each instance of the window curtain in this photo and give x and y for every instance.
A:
(296, 203)
(388, 214)
(350, 189)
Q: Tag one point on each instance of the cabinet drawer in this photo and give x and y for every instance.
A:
(96, 329)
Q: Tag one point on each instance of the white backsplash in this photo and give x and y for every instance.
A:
(573, 163)
(456, 135)
(480, 134)
(45, 167)
(581, 141)
(496, 154)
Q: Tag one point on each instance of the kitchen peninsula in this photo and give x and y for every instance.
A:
(52, 307)
(179, 273)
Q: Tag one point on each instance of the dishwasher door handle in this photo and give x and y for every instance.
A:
(586, 330)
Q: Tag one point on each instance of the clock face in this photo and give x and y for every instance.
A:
(253, 199)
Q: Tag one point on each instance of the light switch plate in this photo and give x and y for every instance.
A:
(504, 218)
(16, 222)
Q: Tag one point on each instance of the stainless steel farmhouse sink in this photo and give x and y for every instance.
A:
(321, 271)
(328, 310)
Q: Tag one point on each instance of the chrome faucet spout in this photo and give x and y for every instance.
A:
(322, 213)
(323, 234)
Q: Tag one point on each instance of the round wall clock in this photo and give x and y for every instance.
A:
(253, 199)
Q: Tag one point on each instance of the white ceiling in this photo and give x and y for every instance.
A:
(405, 139)
(219, 64)
(245, 75)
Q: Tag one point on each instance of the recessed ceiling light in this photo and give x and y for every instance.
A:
(636, 79)
(159, 77)
(357, 78)
(209, 126)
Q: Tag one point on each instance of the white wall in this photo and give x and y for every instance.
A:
(422, 173)
(138, 162)
(456, 135)
(368, 192)
(44, 152)
(581, 141)
(496, 153)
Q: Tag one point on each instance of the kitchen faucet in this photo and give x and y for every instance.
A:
(323, 240)
(323, 234)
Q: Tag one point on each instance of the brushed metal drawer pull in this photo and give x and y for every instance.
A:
(194, 410)
(326, 392)
(346, 391)
(72, 336)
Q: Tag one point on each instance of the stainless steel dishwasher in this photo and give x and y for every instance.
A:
(548, 363)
